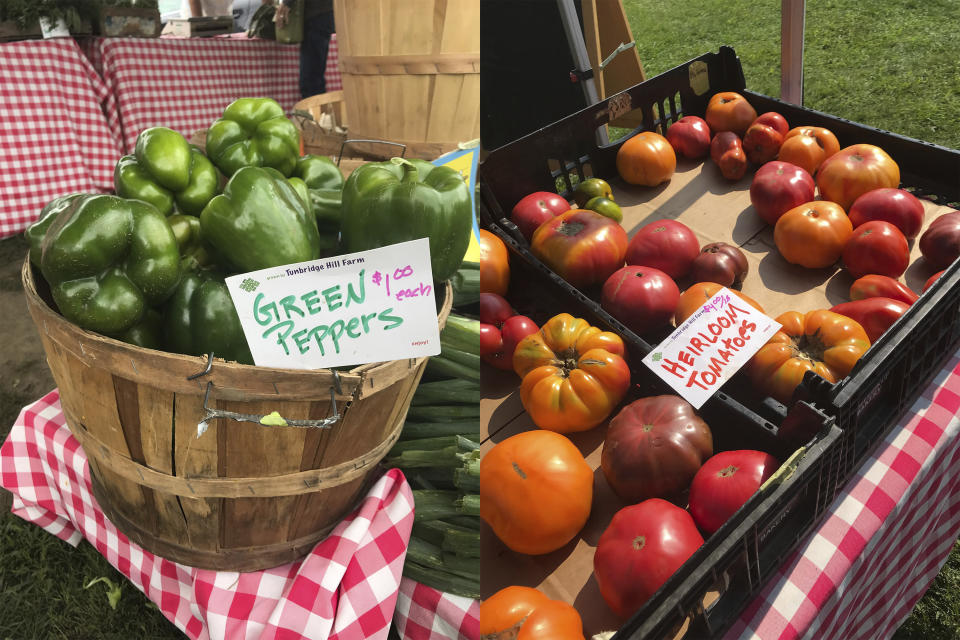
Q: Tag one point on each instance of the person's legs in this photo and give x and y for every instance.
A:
(313, 54)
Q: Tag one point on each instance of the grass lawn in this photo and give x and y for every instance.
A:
(891, 65)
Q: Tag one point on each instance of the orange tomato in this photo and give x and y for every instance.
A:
(813, 235)
(536, 491)
(646, 159)
(808, 147)
(698, 294)
(729, 111)
(854, 170)
(821, 341)
(525, 613)
(494, 264)
(572, 374)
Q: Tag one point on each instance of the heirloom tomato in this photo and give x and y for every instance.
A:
(646, 159)
(535, 209)
(761, 143)
(778, 187)
(896, 206)
(642, 298)
(573, 375)
(876, 286)
(725, 482)
(654, 447)
(643, 546)
(876, 247)
(726, 151)
(931, 280)
(497, 344)
(699, 294)
(589, 189)
(667, 245)
(722, 263)
(808, 147)
(855, 170)
(581, 246)
(494, 264)
(875, 315)
(940, 243)
(813, 235)
(821, 341)
(524, 613)
(774, 120)
(729, 111)
(494, 309)
(690, 137)
(536, 490)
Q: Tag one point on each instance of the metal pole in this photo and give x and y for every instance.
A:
(581, 61)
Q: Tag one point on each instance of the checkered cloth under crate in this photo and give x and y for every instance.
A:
(186, 83)
(883, 539)
(349, 587)
(55, 137)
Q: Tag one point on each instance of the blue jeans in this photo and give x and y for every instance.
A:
(313, 53)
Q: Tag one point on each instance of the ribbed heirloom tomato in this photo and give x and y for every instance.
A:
(581, 246)
(536, 491)
(729, 111)
(813, 235)
(821, 341)
(808, 147)
(573, 374)
(524, 613)
(855, 170)
(646, 159)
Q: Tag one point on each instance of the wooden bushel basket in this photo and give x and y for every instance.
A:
(243, 496)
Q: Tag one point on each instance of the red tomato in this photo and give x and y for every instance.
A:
(494, 309)
(724, 483)
(876, 247)
(778, 187)
(643, 298)
(875, 315)
(535, 209)
(854, 170)
(643, 546)
(761, 143)
(498, 344)
(726, 151)
(877, 286)
(690, 137)
(721, 263)
(931, 280)
(940, 243)
(775, 120)
(581, 246)
(897, 206)
(667, 245)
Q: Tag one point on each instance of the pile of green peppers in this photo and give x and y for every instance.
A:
(148, 264)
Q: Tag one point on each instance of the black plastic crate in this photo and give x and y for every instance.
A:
(864, 406)
(737, 559)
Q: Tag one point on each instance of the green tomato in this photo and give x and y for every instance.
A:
(605, 207)
(591, 188)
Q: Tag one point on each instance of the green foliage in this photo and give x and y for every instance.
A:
(75, 13)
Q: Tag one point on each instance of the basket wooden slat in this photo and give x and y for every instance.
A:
(242, 497)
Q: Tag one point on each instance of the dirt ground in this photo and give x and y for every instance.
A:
(25, 376)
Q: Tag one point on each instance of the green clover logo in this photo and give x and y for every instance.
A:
(249, 285)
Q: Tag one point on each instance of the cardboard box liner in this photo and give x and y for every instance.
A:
(717, 210)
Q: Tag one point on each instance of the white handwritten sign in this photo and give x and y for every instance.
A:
(710, 346)
(370, 306)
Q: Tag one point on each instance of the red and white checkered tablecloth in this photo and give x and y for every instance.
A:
(186, 83)
(884, 539)
(348, 588)
(55, 129)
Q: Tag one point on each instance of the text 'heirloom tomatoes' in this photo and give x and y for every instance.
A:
(581, 246)
(642, 547)
(536, 491)
(821, 341)
(573, 374)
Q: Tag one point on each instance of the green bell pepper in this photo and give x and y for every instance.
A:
(259, 221)
(253, 132)
(107, 260)
(165, 169)
(36, 231)
(193, 252)
(148, 333)
(200, 318)
(389, 202)
(319, 172)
